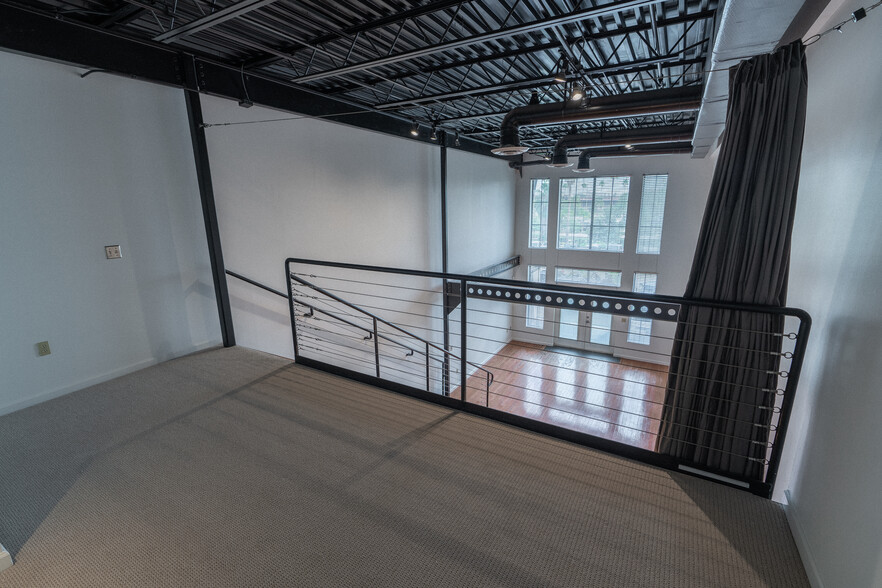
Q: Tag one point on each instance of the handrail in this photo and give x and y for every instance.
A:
(326, 312)
(797, 312)
(388, 324)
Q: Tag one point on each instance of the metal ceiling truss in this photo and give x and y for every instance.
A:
(458, 64)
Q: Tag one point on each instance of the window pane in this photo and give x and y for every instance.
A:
(652, 213)
(569, 324)
(640, 329)
(535, 314)
(593, 213)
(539, 213)
(588, 277)
(601, 325)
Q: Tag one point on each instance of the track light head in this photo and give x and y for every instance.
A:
(414, 128)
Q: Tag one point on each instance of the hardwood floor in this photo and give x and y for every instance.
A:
(620, 401)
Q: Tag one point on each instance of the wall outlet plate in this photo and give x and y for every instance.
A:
(43, 348)
(112, 252)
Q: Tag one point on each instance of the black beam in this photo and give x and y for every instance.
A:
(445, 377)
(41, 35)
(209, 214)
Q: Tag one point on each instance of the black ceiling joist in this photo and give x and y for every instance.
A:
(40, 35)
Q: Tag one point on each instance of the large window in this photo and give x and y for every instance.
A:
(569, 275)
(639, 328)
(652, 213)
(535, 314)
(539, 213)
(592, 213)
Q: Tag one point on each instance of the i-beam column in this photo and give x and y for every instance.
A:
(209, 215)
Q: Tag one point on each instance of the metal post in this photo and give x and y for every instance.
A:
(445, 376)
(428, 380)
(463, 340)
(376, 348)
(292, 309)
(209, 214)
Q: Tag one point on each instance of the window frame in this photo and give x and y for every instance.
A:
(544, 208)
(618, 200)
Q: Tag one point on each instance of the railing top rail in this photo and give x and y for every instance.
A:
(325, 312)
(387, 323)
(784, 310)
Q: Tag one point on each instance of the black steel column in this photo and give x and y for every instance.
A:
(209, 215)
(445, 377)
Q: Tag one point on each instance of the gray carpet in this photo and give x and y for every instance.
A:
(236, 468)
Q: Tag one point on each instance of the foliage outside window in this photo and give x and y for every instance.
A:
(593, 213)
(589, 277)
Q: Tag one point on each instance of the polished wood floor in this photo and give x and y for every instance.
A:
(620, 401)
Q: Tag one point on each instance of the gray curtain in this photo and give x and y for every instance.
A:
(721, 359)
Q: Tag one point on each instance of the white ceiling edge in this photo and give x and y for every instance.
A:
(747, 28)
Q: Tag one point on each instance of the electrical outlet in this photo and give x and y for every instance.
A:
(112, 252)
(43, 348)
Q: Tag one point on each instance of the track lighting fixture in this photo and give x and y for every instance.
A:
(534, 97)
(456, 139)
(414, 128)
(434, 133)
(578, 93)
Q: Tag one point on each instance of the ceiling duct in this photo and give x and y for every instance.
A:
(666, 101)
(746, 28)
(645, 136)
(678, 148)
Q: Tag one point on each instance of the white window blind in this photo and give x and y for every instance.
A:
(593, 213)
(652, 213)
(539, 213)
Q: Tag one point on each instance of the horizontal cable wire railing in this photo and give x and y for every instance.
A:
(628, 372)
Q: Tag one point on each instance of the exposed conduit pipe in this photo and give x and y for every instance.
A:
(670, 149)
(656, 102)
(650, 136)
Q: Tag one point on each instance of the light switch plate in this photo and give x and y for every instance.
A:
(112, 252)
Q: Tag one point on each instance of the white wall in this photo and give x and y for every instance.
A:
(314, 189)
(831, 458)
(688, 184)
(86, 163)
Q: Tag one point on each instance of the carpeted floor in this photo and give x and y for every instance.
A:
(237, 468)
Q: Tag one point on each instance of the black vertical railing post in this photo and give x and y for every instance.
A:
(292, 310)
(376, 348)
(805, 324)
(463, 336)
(445, 375)
(209, 215)
(428, 380)
(488, 389)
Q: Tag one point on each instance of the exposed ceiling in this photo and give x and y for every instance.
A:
(458, 64)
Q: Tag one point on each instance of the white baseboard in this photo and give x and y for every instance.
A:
(49, 395)
(805, 553)
(5, 558)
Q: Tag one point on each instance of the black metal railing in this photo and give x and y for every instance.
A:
(684, 384)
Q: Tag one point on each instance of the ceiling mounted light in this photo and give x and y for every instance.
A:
(456, 139)
(559, 158)
(584, 164)
(509, 143)
(629, 147)
(578, 93)
(415, 128)
(434, 133)
(534, 97)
